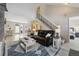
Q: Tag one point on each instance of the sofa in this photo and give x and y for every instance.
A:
(44, 37)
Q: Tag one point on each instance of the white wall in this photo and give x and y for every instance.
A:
(21, 12)
(60, 16)
(74, 21)
(63, 22)
(24, 13)
(55, 16)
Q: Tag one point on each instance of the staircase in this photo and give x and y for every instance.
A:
(46, 22)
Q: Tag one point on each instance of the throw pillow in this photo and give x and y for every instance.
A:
(48, 35)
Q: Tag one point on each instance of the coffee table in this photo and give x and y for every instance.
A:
(28, 44)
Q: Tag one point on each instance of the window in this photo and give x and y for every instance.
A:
(17, 29)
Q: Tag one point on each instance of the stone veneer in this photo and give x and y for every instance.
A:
(2, 17)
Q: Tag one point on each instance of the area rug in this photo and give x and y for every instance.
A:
(16, 50)
(73, 53)
(63, 52)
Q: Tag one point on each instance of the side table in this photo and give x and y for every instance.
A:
(57, 42)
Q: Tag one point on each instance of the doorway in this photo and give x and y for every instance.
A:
(74, 32)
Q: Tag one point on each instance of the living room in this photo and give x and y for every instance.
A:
(37, 29)
(21, 24)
